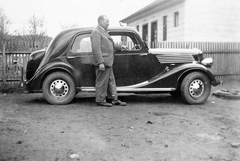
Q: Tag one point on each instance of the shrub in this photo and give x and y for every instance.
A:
(10, 88)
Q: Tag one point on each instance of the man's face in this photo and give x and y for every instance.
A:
(105, 23)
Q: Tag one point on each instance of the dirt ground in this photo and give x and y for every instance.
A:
(150, 128)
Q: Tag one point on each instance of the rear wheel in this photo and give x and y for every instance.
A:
(58, 88)
(195, 88)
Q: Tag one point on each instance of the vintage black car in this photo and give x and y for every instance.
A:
(65, 68)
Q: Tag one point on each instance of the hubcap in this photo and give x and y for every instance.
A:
(196, 88)
(59, 88)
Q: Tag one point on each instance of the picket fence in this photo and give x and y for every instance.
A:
(25, 45)
(226, 57)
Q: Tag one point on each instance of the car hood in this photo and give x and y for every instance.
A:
(175, 51)
(176, 55)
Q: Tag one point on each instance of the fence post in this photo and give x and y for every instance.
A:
(4, 64)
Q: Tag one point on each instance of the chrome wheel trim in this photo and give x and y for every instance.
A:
(196, 88)
(59, 88)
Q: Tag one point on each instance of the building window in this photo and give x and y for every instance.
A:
(137, 27)
(164, 28)
(154, 34)
(176, 19)
(145, 33)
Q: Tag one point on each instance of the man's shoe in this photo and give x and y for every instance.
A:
(119, 103)
(104, 104)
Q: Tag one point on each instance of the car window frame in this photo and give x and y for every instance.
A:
(132, 36)
(143, 48)
(77, 54)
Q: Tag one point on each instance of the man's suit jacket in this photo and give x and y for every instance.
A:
(103, 47)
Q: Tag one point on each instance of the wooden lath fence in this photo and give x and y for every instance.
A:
(26, 45)
(14, 73)
(226, 57)
(17, 49)
(204, 46)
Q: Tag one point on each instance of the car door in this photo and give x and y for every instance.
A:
(80, 57)
(135, 65)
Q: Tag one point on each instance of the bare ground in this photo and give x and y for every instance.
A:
(150, 128)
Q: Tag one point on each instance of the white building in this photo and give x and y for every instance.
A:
(188, 20)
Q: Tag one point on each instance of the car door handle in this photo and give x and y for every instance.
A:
(71, 57)
(143, 54)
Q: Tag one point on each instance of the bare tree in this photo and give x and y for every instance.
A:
(65, 26)
(36, 28)
(4, 26)
(4, 29)
(36, 31)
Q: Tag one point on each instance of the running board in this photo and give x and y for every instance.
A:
(127, 89)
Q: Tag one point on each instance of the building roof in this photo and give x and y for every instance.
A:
(153, 7)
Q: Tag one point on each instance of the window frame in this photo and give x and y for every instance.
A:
(84, 35)
(176, 19)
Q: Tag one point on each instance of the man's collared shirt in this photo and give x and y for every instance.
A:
(102, 28)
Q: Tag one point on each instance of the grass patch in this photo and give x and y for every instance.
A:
(11, 88)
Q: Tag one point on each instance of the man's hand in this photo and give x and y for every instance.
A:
(124, 48)
(101, 67)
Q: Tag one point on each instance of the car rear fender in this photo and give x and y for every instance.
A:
(56, 69)
(42, 73)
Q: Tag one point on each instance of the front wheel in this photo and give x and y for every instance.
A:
(58, 88)
(195, 88)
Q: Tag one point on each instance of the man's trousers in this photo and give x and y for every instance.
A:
(105, 85)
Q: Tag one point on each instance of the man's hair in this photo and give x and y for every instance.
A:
(100, 18)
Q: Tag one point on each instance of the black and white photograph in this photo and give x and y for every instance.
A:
(119, 80)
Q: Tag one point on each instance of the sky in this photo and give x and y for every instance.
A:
(83, 13)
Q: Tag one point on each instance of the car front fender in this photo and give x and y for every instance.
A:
(197, 67)
(173, 76)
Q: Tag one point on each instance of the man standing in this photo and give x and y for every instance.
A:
(103, 56)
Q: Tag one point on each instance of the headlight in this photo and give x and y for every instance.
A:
(207, 62)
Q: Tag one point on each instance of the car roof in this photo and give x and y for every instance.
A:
(68, 33)
(60, 41)
(83, 29)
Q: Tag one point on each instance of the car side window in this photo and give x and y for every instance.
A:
(127, 39)
(82, 44)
